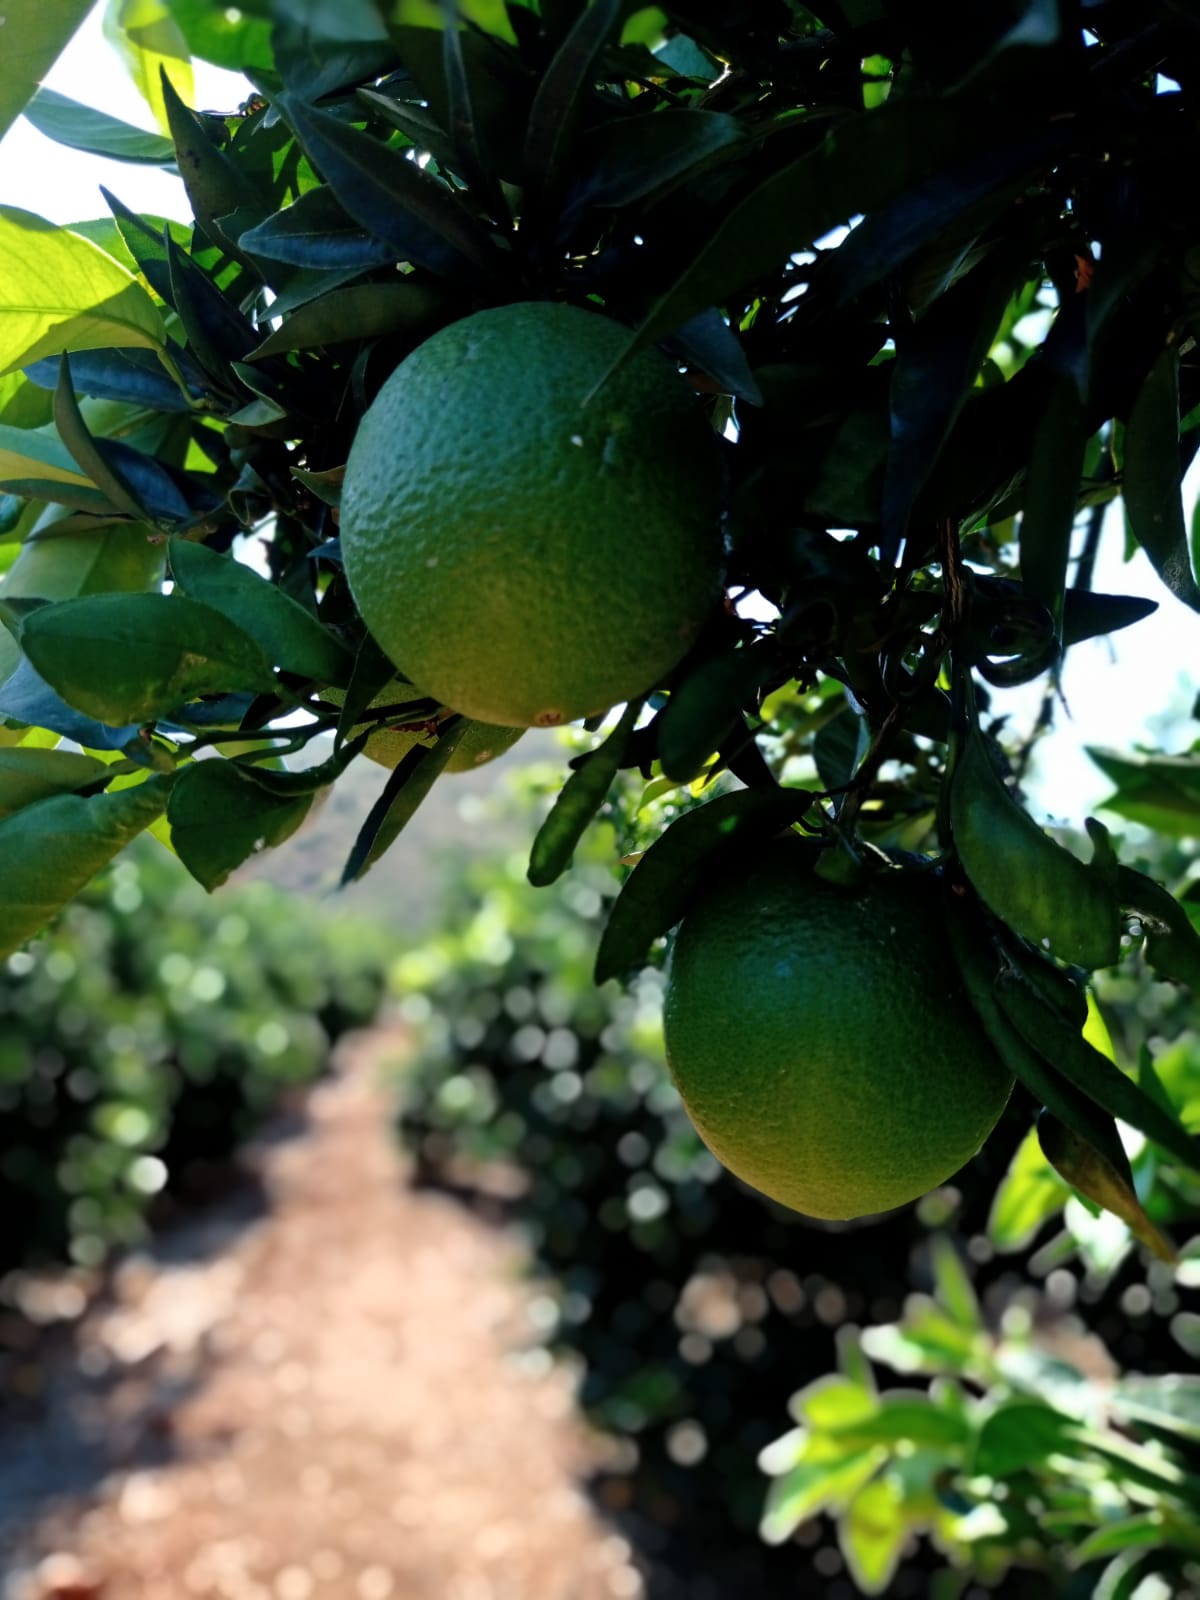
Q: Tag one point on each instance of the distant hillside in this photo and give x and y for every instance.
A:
(404, 889)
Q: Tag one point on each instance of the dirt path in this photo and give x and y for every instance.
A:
(336, 1400)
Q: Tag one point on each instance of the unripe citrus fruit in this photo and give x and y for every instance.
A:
(526, 551)
(482, 741)
(821, 1040)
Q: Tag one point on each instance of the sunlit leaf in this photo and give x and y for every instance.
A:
(815, 1485)
(83, 128)
(35, 33)
(1030, 1193)
(151, 43)
(873, 1532)
(59, 292)
(51, 849)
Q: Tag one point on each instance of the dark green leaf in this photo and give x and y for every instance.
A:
(1044, 1030)
(658, 891)
(1036, 886)
(216, 186)
(289, 636)
(862, 163)
(581, 797)
(310, 283)
(317, 232)
(629, 158)
(980, 962)
(839, 746)
(130, 658)
(1019, 1434)
(363, 311)
(1086, 614)
(219, 818)
(318, 57)
(1172, 942)
(391, 197)
(707, 706)
(687, 59)
(12, 509)
(1051, 491)
(217, 334)
(373, 671)
(28, 774)
(960, 203)
(709, 343)
(558, 107)
(172, 498)
(410, 782)
(937, 362)
(470, 143)
(1160, 792)
(74, 434)
(416, 124)
(135, 376)
(84, 128)
(1153, 498)
(51, 849)
(500, 89)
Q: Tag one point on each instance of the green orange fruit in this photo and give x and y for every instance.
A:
(821, 1040)
(529, 539)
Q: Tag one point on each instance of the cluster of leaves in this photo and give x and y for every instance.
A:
(693, 1305)
(1010, 1454)
(144, 1037)
(907, 460)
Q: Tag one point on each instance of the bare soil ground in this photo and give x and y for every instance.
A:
(332, 1397)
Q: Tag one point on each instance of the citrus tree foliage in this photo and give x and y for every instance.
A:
(905, 464)
(1050, 1466)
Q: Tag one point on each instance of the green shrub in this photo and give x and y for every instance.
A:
(1010, 1453)
(144, 1035)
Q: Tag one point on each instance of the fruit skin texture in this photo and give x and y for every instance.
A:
(821, 1040)
(481, 743)
(525, 558)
